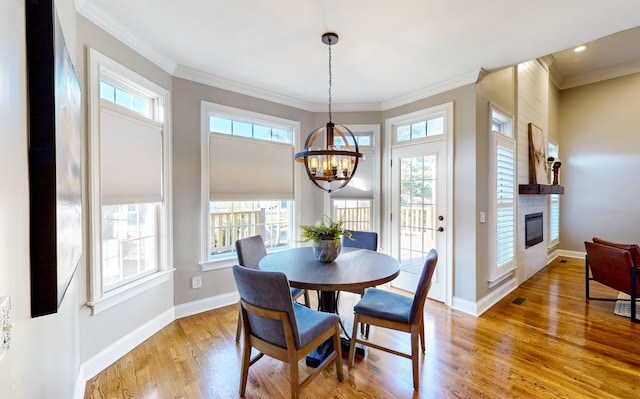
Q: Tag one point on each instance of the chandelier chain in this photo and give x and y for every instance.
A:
(329, 80)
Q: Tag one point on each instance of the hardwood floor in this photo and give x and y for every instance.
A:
(554, 345)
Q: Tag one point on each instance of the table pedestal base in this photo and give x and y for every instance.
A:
(321, 352)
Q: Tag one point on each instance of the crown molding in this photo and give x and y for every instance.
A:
(87, 9)
(268, 95)
(454, 83)
(601, 74)
(241, 88)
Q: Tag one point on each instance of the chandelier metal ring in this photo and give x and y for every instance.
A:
(331, 163)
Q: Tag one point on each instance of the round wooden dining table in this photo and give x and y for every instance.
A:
(354, 268)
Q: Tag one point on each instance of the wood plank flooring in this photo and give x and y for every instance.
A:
(554, 345)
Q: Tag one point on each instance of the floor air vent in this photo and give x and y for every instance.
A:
(519, 301)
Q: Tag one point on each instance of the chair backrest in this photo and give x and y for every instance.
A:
(633, 248)
(361, 239)
(610, 266)
(267, 290)
(424, 283)
(250, 250)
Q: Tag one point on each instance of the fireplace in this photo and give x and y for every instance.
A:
(533, 229)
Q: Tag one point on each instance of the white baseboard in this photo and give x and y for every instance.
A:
(204, 305)
(478, 308)
(571, 254)
(119, 348)
(465, 306)
(81, 384)
(125, 344)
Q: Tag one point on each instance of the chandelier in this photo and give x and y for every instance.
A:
(330, 165)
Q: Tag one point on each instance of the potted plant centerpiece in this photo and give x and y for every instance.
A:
(325, 238)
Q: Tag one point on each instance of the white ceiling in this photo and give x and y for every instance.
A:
(389, 53)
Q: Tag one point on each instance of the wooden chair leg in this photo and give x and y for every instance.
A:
(422, 336)
(293, 374)
(338, 345)
(239, 327)
(414, 358)
(246, 362)
(354, 336)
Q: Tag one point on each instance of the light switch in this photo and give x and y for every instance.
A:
(483, 217)
(5, 325)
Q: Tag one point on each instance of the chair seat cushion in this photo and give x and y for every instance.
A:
(312, 323)
(384, 305)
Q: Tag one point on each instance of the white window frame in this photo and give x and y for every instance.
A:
(505, 139)
(99, 66)
(554, 201)
(348, 223)
(371, 153)
(206, 109)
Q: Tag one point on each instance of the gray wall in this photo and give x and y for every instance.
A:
(187, 97)
(464, 205)
(99, 331)
(600, 150)
(498, 88)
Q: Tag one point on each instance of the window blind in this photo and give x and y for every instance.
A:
(361, 185)
(505, 206)
(249, 169)
(130, 158)
(554, 217)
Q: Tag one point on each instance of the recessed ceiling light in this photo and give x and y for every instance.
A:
(579, 49)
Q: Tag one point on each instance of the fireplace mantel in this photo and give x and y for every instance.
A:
(540, 189)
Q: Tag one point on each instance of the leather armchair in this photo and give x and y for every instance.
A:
(613, 266)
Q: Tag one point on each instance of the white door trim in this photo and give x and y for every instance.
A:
(385, 237)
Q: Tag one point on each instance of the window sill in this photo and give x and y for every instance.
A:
(220, 263)
(502, 277)
(224, 262)
(119, 295)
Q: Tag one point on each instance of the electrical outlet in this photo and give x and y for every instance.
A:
(5, 325)
(196, 282)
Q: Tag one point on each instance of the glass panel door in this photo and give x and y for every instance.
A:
(418, 206)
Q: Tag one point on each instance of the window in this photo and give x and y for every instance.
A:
(232, 220)
(247, 181)
(432, 126)
(554, 204)
(356, 203)
(503, 176)
(129, 183)
(355, 213)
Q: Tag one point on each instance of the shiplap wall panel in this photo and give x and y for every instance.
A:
(533, 106)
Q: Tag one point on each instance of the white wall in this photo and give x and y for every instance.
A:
(533, 107)
(43, 359)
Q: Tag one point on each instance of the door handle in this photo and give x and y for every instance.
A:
(441, 229)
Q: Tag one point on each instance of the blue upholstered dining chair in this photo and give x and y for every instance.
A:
(361, 239)
(397, 312)
(250, 250)
(280, 328)
(365, 240)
